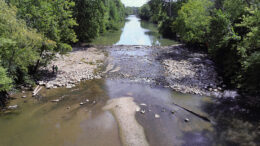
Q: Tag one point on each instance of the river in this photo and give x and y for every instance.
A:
(136, 74)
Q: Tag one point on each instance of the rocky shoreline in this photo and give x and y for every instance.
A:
(185, 70)
(189, 71)
(73, 67)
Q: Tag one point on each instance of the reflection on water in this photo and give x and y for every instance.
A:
(135, 32)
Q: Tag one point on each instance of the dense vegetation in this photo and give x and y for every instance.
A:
(32, 32)
(228, 29)
(98, 16)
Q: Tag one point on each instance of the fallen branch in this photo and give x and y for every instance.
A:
(196, 114)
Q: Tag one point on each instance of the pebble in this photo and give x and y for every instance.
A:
(186, 120)
(24, 96)
(143, 104)
(81, 103)
(157, 116)
(137, 109)
(56, 100)
(173, 112)
(142, 111)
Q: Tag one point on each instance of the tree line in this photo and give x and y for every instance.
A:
(227, 29)
(33, 31)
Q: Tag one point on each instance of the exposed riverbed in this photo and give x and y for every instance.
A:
(132, 101)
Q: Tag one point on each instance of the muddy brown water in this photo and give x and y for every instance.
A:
(136, 72)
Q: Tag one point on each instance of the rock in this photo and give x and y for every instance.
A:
(230, 94)
(48, 86)
(41, 83)
(68, 86)
(81, 103)
(24, 96)
(56, 100)
(68, 107)
(173, 112)
(194, 59)
(186, 120)
(142, 111)
(137, 109)
(94, 102)
(12, 107)
(23, 91)
(215, 90)
(143, 104)
(157, 116)
(87, 100)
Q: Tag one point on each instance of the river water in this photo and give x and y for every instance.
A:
(137, 73)
(134, 32)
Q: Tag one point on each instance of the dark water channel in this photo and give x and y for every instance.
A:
(136, 72)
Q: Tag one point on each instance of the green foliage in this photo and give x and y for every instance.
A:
(145, 12)
(229, 29)
(97, 16)
(19, 45)
(193, 21)
(5, 82)
(53, 19)
(131, 11)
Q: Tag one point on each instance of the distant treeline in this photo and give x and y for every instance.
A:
(33, 31)
(131, 10)
(228, 29)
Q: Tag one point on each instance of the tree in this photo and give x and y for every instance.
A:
(193, 21)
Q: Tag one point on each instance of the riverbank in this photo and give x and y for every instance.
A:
(192, 71)
(83, 64)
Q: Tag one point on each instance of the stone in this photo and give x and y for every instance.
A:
(142, 111)
(24, 96)
(87, 100)
(56, 100)
(137, 109)
(12, 107)
(41, 83)
(173, 112)
(81, 103)
(48, 86)
(68, 86)
(143, 104)
(157, 116)
(186, 120)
